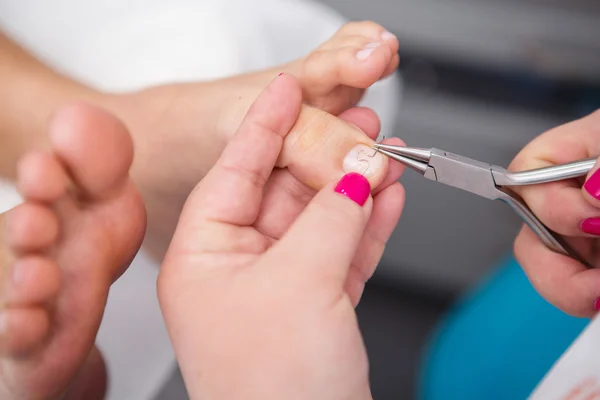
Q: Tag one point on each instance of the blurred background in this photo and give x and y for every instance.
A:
(480, 78)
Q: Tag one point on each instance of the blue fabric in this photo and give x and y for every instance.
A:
(498, 343)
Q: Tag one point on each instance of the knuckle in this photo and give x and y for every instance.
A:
(254, 178)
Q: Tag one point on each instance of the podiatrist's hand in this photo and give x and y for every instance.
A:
(568, 209)
(258, 293)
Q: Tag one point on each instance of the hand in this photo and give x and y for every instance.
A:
(180, 130)
(568, 209)
(258, 292)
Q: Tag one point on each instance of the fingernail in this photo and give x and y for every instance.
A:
(364, 160)
(597, 304)
(592, 185)
(366, 51)
(387, 35)
(355, 187)
(591, 226)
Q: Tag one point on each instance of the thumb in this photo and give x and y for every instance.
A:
(324, 239)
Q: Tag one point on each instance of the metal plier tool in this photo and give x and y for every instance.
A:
(491, 182)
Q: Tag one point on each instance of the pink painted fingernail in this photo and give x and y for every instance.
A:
(597, 304)
(591, 226)
(355, 187)
(592, 185)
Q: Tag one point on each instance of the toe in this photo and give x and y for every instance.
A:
(365, 119)
(22, 330)
(91, 381)
(31, 227)
(95, 147)
(33, 280)
(322, 148)
(368, 29)
(41, 177)
(392, 66)
(358, 66)
(358, 35)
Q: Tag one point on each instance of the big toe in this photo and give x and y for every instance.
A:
(321, 148)
(94, 145)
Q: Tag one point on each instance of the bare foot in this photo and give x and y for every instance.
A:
(80, 226)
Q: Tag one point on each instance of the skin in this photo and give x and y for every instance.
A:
(562, 206)
(259, 300)
(179, 130)
(177, 133)
(80, 226)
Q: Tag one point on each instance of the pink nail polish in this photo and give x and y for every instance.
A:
(597, 304)
(355, 187)
(592, 185)
(591, 226)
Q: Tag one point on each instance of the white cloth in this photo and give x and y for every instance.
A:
(123, 45)
(576, 375)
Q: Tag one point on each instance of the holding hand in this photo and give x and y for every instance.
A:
(259, 294)
(568, 209)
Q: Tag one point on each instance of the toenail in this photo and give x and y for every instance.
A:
(366, 51)
(3, 325)
(363, 160)
(18, 273)
(388, 35)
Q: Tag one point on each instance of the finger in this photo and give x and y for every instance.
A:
(562, 208)
(232, 191)
(323, 241)
(591, 187)
(364, 119)
(387, 208)
(560, 205)
(561, 280)
(591, 194)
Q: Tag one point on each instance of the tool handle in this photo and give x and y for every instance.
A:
(543, 175)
